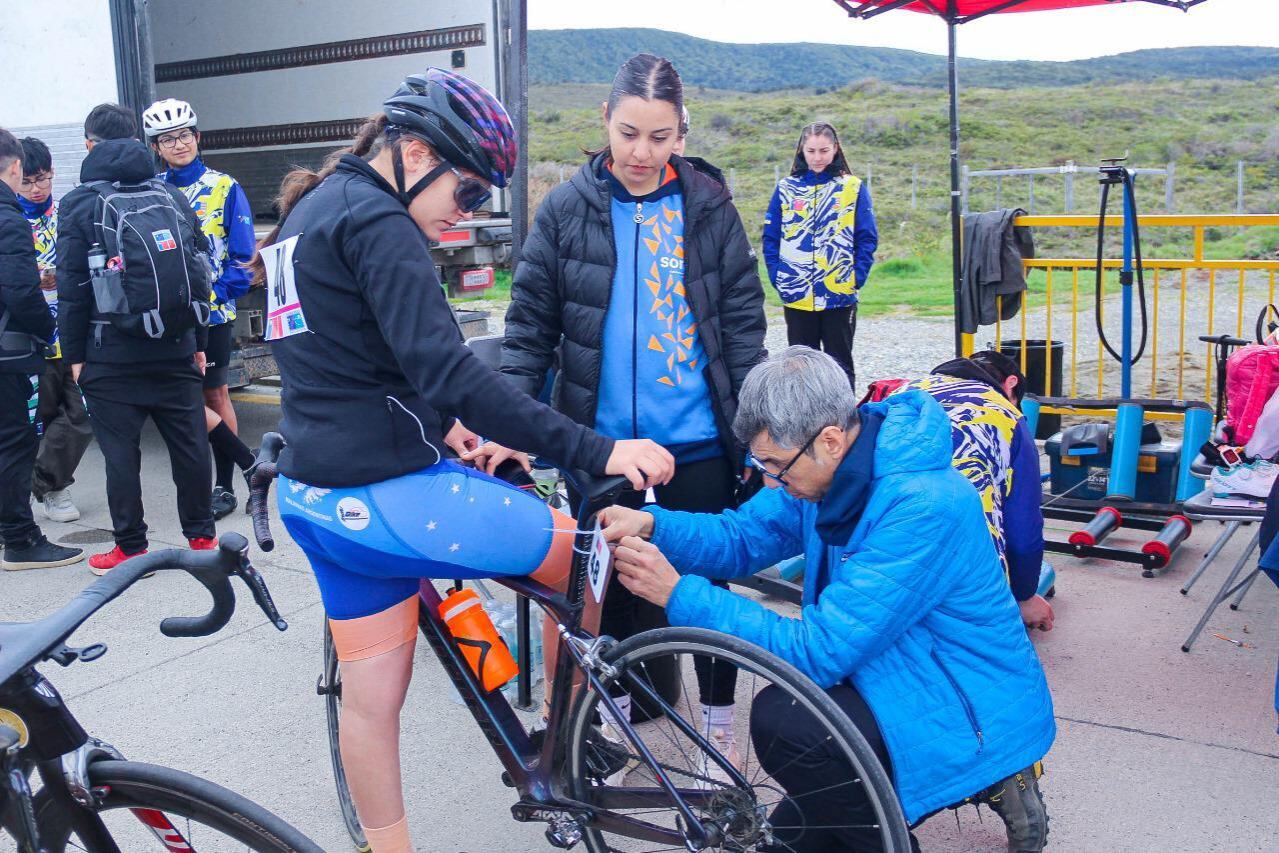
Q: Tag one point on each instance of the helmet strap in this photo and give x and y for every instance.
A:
(407, 196)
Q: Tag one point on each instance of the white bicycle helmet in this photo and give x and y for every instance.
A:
(164, 116)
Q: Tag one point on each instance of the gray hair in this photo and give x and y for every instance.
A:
(794, 395)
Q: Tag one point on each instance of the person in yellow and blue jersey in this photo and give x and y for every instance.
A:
(60, 406)
(995, 450)
(819, 244)
(227, 222)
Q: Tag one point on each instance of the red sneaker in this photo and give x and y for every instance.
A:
(203, 543)
(100, 564)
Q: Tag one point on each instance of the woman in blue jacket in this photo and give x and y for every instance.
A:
(819, 245)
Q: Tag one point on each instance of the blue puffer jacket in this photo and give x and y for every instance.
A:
(916, 612)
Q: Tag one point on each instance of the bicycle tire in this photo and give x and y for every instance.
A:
(630, 653)
(133, 785)
(333, 713)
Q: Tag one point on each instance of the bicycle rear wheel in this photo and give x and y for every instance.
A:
(759, 814)
(145, 807)
(331, 682)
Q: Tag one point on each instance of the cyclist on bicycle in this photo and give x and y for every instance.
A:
(377, 381)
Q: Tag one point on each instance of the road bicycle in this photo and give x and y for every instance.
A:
(90, 797)
(660, 785)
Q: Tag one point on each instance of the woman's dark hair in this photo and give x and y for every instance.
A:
(110, 121)
(652, 78)
(1001, 367)
(368, 141)
(838, 166)
(35, 157)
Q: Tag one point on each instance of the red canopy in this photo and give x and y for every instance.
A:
(967, 9)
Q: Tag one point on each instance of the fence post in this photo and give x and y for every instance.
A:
(1169, 179)
(870, 179)
(963, 190)
(777, 174)
(732, 181)
(999, 191)
(1070, 186)
(914, 185)
(1032, 194)
(1239, 195)
(561, 173)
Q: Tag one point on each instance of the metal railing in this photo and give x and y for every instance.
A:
(1188, 297)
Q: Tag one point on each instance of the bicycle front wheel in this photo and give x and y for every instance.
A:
(825, 790)
(145, 807)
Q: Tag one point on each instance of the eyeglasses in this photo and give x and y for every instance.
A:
(170, 142)
(470, 194)
(780, 476)
(42, 181)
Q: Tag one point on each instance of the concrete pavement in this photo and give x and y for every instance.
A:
(1157, 750)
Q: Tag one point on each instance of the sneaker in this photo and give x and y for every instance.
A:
(224, 502)
(608, 756)
(1020, 806)
(41, 554)
(1251, 480)
(725, 743)
(58, 506)
(203, 543)
(100, 564)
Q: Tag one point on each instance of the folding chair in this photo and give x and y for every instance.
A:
(1200, 508)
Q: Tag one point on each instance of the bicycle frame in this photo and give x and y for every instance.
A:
(533, 773)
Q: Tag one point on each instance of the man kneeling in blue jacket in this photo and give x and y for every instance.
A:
(906, 622)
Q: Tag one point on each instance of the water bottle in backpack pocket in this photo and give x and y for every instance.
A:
(149, 278)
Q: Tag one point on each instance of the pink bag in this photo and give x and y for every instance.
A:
(1252, 375)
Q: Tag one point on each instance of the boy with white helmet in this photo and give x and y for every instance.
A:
(227, 222)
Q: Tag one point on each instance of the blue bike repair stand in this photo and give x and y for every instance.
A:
(1122, 482)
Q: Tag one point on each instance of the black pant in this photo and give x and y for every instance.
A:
(830, 331)
(120, 398)
(18, 443)
(706, 486)
(66, 430)
(791, 747)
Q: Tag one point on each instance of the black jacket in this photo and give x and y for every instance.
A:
(128, 161)
(20, 297)
(366, 392)
(561, 289)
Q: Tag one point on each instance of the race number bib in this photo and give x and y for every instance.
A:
(598, 565)
(284, 310)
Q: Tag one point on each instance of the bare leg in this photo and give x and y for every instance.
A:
(219, 400)
(211, 419)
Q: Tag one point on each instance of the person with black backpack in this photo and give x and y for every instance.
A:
(26, 329)
(133, 294)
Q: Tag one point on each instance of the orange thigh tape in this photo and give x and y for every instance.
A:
(370, 636)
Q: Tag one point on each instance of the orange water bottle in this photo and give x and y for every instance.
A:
(481, 645)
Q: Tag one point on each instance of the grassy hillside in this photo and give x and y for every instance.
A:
(1203, 127)
(592, 56)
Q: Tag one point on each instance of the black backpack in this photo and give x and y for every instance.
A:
(154, 271)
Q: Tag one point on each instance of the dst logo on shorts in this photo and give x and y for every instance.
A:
(353, 514)
(164, 240)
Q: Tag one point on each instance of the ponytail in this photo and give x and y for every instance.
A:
(300, 181)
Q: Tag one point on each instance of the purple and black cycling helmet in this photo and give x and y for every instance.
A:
(460, 119)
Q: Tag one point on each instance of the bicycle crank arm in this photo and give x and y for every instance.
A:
(564, 826)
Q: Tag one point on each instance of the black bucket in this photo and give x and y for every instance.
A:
(1036, 353)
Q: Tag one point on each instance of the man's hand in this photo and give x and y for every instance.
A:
(75, 372)
(201, 362)
(461, 440)
(644, 570)
(48, 280)
(488, 456)
(618, 522)
(1036, 612)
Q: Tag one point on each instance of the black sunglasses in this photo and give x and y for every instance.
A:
(470, 194)
(780, 476)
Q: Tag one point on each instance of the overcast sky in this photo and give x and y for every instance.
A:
(1069, 34)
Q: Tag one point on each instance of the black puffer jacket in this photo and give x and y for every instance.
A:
(562, 286)
(25, 315)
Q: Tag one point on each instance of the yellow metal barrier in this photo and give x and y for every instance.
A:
(1253, 281)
